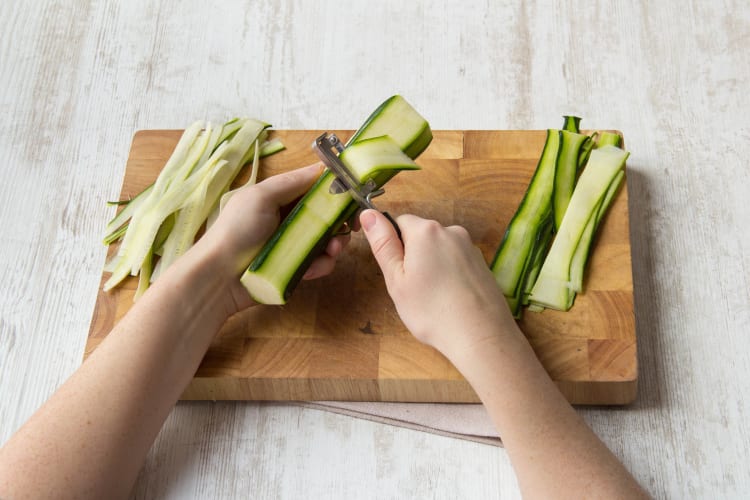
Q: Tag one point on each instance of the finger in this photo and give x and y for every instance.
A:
(354, 221)
(337, 245)
(284, 188)
(384, 242)
(323, 265)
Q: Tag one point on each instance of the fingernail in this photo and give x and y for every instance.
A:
(367, 219)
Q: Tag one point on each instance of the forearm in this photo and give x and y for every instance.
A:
(91, 437)
(552, 450)
(448, 299)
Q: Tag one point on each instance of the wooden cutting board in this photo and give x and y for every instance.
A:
(339, 338)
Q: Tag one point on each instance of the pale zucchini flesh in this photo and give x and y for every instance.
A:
(115, 227)
(578, 264)
(184, 172)
(270, 147)
(399, 120)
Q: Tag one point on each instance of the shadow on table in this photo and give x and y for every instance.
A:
(647, 302)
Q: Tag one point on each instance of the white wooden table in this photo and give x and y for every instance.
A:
(76, 80)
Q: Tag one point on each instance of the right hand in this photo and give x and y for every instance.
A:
(439, 281)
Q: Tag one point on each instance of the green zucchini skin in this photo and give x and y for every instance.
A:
(318, 248)
(265, 252)
(538, 253)
(572, 123)
(608, 139)
(566, 167)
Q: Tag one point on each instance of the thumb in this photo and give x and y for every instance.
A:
(384, 242)
(284, 188)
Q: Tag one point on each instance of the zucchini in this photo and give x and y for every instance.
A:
(571, 144)
(528, 261)
(578, 264)
(271, 147)
(387, 143)
(399, 120)
(572, 123)
(553, 287)
(513, 257)
(530, 267)
(118, 225)
(608, 139)
(539, 252)
(273, 274)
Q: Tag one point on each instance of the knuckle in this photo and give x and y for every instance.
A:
(460, 231)
(431, 227)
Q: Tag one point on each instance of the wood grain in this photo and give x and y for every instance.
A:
(339, 338)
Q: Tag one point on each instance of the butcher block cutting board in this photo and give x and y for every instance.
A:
(339, 338)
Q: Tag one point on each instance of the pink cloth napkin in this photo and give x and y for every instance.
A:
(463, 421)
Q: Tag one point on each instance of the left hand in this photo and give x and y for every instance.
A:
(250, 218)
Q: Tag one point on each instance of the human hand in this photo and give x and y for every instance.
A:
(439, 281)
(250, 218)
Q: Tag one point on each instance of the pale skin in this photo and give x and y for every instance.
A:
(92, 436)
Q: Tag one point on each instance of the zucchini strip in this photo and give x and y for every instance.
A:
(126, 213)
(553, 286)
(608, 139)
(586, 148)
(572, 123)
(566, 168)
(271, 147)
(578, 264)
(190, 218)
(177, 158)
(174, 188)
(214, 141)
(541, 247)
(513, 256)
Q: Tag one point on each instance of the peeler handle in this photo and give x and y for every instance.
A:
(395, 226)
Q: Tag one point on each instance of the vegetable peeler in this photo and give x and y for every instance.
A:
(345, 180)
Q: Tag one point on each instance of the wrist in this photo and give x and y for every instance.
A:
(476, 343)
(205, 282)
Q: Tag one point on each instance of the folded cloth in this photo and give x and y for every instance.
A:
(463, 421)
